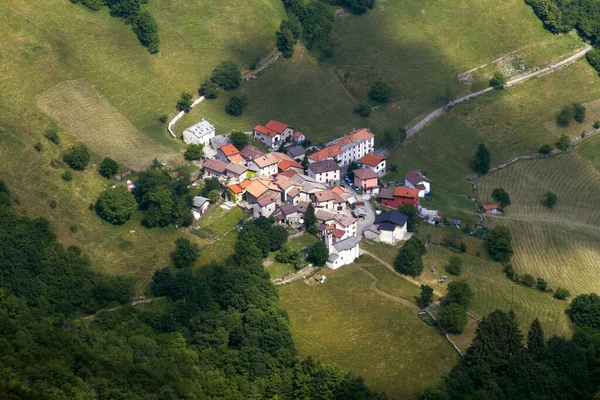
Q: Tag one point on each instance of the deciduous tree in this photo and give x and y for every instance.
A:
(501, 196)
(185, 254)
(194, 152)
(108, 167)
(499, 244)
(409, 260)
(115, 205)
(77, 157)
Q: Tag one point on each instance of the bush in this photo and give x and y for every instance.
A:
(593, 57)
(38, 146)
(545, 149)
(453, 318)
(194, 152)
(541, 284)
(239, 140)
(146, 29)
(287, 255)
(380, 92)
(499, 244)
(115, 205)
(509, 271)
(209, 89)
(185, 102)
(565, 116)
(67, 175)
(498, 80)
(585, 311)
(236, 105)
(285, 41)
(77, 157)
(501, 196)
(426, 296)
(214, 196)
(454, 266)
(163, 118)
(459, 292)
(185, 254)
(527, 280)
(561, 293)
(318, 253)
(108, 168)
(227, 74)
(564, 143)
(409, 260)
(363, 109)
(550, 199)
(52, 203)
(52, 135)
(579, 112)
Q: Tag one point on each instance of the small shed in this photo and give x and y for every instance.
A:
(200, 205)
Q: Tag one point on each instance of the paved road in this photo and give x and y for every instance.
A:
(368, 221)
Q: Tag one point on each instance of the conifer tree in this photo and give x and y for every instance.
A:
(535, 339)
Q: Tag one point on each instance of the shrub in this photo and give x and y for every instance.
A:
(596, 124)
(115, 205)
(239, 140)
(565, 116)
(550, 199)
(527, 280)
(185, 254)
(541, 284)
(499, 244)
(454, 266)
(585, 311)
(236, 105)
(561, 293)
(227, 74)
(579, 112)
(498, 80)
(593, 57)
(108, 168)
(318, 253)
(564, 143)
(214, 196)
(52, 203)
(77, 157)
(459, 292)
(453, 318)
(409, 260)
(209, 89)
(194, 152)
(67, 175)
(38, 146)
(426, 296)
(509, 271)
(146, 29)
(545, 149)
(363, 109)
(163, 118)
(52, 135)
(380, 92)
(185, 102)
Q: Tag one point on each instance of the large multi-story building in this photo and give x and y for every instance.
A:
(354, 145)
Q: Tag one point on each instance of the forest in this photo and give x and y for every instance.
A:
(221, 334)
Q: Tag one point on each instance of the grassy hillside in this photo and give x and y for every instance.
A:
(87, 71)
(560, 244)
(345, 322)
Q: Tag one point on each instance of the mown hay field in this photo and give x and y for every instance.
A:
(561, 244)
(345, 322)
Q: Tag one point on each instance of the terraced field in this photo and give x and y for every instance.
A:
(561, 244)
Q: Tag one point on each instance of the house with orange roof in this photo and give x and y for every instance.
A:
(228, 154)
(287, 165)
(375, 163)
(273, 133)
(354, 146)
(265, 166)
(235, 192)
(286, 131)
(328, 153)
(395, 197)
(299, 137)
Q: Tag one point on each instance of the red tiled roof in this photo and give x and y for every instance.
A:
(402, 191)
(264, 130)
(229, 150)
(236, 158)
(236, 189)
(245, 184)
(287, 164)
(371, 160)
(327, 152)
(298, 134)
(488, 207)
(288, 173)
(276, 126)
(354, 136)
(338, 233)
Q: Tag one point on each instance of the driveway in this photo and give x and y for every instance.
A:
(366, 223)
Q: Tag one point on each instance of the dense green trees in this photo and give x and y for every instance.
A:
(185, 254)
(132, 12)
(499, 244)
(239, 140)
(585, 310)
(77, 157)
(413, 216)
(236, 105)
(194, 152)
(318, 253)
(426, 296)
(380, 92)
(227, 75)
(453, 318)
(312, 22)
(108, 168)
(454, 265)
(409, 260)
(501, 196)
(481, 162)
(115, 205)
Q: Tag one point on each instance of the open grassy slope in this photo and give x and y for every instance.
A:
(116, 92)
(345, 322)
(561, 244)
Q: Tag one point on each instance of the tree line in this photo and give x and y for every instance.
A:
(221, 333)
(133, 13)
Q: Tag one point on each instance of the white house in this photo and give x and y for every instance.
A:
(265, 166)
(416, 180)
(200, 206)
(299, 137)
(375, 163)
(327, 171)
(389, 227)
(266, 136)
(354, 145)
(201, 133)
(286, 131)
(268, 204)
(343, 252)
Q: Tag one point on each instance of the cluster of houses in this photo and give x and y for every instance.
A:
(275, 184)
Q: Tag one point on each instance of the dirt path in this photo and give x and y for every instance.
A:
(385, 294)
(133, 303)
